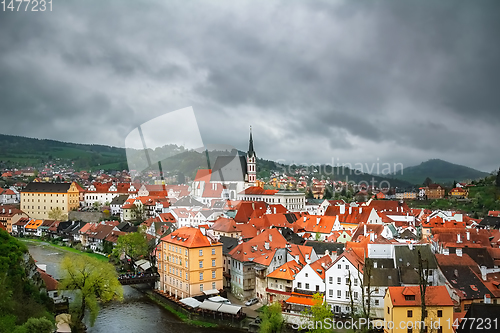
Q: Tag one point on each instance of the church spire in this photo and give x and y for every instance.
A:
(251, 152)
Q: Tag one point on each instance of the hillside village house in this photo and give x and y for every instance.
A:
(434, 191)
(344, 280)
(38, 199)
(189, 263)
(9, 215)
(403, 309)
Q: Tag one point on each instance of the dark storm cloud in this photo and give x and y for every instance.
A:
(396, 80)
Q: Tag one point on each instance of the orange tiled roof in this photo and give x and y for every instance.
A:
(188, 237)
(434, 296)
(287, 271)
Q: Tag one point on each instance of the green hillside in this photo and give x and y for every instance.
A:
(439, 171)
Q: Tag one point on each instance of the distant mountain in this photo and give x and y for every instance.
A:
(17, 151)
(438, 171)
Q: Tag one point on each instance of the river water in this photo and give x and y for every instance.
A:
(137, 313)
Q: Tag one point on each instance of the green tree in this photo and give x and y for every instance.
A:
(497, 182)
(309, 194)
(57, 214)
(318, 313)
(133, 245)
(272, 319)
(36, 325)
(95, 281)
(327, 194)
(427, 181)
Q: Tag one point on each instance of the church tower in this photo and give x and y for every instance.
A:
(251, 162)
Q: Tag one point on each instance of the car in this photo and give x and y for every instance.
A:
(251, 301)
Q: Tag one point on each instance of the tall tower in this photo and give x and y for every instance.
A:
(251, 161)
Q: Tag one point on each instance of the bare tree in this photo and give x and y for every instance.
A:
(423, 275)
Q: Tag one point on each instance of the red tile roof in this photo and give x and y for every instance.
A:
(188, 237)
(434, 296)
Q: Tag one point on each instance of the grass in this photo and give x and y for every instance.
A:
(181, 315)
(69, 249)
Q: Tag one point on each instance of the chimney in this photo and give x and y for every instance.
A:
(364, 229)
(350, 210)
(483, 273)
(468, 235)
(458, 238)
(372, 236)
(458, 252)
(318, 219)
(487, 299)
(360, 210)
(342, 209)
(446, 252)
(270, 238)
(307, 258)
(296, 258)
(305, 218)
(274, 210)
(266, 245)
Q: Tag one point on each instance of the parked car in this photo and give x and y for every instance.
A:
(251, 301)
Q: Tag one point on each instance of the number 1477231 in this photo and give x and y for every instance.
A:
(26, 5)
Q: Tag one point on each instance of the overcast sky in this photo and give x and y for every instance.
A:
(354, 81)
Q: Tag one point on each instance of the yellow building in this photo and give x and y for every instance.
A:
(38, 198)
(189, 263)
(402, 310)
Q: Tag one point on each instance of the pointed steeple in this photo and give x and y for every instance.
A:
(251, 152)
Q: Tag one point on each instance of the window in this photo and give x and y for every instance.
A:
(213, 251)
(388, 310)
(330, 279)
(213, 285)
(186, 252)
(201, 253)
(201, 263)
(299, 285)
(409, 297)
(440, 313)
(339, 266)
(213, 262)
(347, 281)
(339, 280)
(377, 302)
(201, 287)
(410, 330)
(355, 295)
(330, 292)
(355, 282)
(347, 267)
(409, 313)
(201, 276)
(347, 294)
(339, 293)
(307, 285)
(440, 329)
(307, 275)
(213, 274)
(187, 276)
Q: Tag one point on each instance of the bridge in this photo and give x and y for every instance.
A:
(138, 279)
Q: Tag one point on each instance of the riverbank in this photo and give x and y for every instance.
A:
(65, 248)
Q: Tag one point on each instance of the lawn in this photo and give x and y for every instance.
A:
(69, 249)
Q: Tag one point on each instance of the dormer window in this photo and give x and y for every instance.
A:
(409, 297)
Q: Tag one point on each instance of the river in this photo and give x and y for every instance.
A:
(137, 313)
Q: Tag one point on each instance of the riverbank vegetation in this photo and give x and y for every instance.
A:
(95, 282)
(24, 306)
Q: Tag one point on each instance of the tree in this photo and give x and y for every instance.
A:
(272, 319)
(318, 313)
(133, 245)
(497, 182)
(327, 194)
(423, 274)
(366, 289)
(309, 194)
(36, 325)
(427, 181)
(57, 214)
(95, 281)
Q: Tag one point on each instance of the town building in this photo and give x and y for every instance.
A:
(39, 198)
(189, 263)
